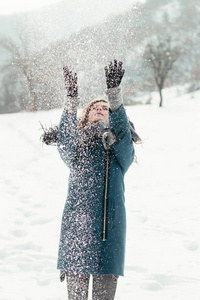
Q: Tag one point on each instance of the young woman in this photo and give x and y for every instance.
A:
(98, 149)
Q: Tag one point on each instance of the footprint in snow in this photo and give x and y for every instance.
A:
(160, 281)
(28, 246)
(152, 285)
(40, 221)
(165, 279)
(43, 281)
(141, 218)
(192, 246)
(137, 269)
(19, 233)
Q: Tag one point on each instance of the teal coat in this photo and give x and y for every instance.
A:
(81, 249)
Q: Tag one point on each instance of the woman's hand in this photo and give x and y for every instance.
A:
(70, 82)
(114, 74)
(72, 101)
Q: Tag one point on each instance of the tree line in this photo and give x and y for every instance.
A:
(32, 80)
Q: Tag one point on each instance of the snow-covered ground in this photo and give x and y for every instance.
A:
(162, 199)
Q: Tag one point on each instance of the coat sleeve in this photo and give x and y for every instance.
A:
(124, 148)
(68, 136)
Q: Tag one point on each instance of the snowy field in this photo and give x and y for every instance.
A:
(162, 200)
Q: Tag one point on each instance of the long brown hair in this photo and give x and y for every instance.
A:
(85, 113)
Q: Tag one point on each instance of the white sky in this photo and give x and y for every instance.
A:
(17, 6)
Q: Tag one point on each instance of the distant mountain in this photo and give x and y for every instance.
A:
(60, 39)
(124, 37)
(61, 19)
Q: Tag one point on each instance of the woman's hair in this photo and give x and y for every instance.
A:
(85, 113)
(50, 135)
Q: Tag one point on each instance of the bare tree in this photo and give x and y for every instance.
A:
(161, 56)
(24, 62)
(195, 75)
(24, 48)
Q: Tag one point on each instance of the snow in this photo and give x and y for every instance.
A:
(162, 200)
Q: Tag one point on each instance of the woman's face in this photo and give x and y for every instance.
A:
(98, 112)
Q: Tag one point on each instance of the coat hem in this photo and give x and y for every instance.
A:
(94, 273)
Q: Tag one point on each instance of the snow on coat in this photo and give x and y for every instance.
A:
(81, 249)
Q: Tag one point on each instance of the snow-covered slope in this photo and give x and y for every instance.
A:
(162, 199)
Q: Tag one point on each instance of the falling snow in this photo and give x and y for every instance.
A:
(162, 201)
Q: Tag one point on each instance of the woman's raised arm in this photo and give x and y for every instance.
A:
(68, 127)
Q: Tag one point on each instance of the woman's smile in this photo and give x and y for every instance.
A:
(98, 112)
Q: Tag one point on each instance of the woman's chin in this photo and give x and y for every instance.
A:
(97, 119)
(101, 118)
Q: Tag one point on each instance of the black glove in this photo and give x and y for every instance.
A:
(72, 101)
(70, 82)
(114, 74)
(49, 136)
(62, 275)
(135, 137)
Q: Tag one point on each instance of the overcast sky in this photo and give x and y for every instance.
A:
(16, 6)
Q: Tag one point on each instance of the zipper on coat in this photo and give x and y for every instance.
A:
(105, 197)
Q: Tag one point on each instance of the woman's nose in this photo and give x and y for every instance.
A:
(99, 108)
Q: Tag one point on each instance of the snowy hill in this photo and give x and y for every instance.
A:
(86, 37)
(162, 200)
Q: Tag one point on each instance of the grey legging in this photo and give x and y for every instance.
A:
(104, 286)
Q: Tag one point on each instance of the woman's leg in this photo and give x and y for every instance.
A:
(104, 287)
(77, 286)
